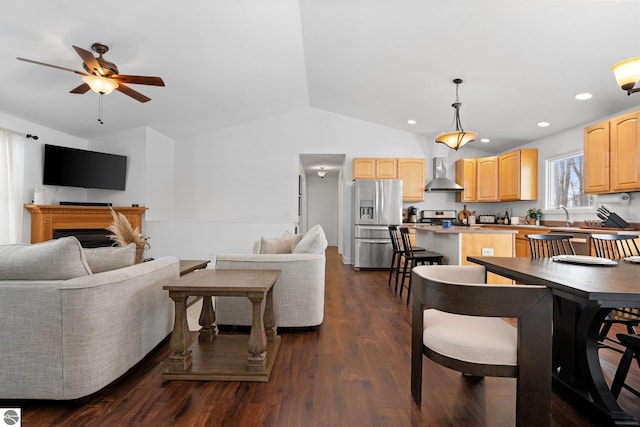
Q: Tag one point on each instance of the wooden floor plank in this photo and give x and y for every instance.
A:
(352, 371)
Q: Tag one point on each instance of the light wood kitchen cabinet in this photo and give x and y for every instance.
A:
(612, 155)
(375, 168)
(624, 152)
(487, 179)
(518, 172)
(596, 158)
(466, 176)
(412, 173)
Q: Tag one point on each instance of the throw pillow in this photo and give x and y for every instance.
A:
(110, 258)
(314, 241)
(294, 238)
(57, 259)
(280, 245)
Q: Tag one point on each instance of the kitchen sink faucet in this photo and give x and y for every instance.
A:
(566, 213)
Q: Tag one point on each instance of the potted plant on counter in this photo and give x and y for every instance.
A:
(533, 216)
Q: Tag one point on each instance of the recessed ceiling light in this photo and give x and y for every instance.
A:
(583, 96)
(544, 124)
(411, 122)
(485, 140)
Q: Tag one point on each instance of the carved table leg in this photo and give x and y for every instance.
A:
(207, 321)
(180, 359)
(270, 317)
(257, 337)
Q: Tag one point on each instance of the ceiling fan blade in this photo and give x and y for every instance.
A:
(82, 73)
(83, 88)
(89, 60)
(132, 93)
(140, 80)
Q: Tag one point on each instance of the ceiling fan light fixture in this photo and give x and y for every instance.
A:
(627, 74)
(101, 85)
(459, 137)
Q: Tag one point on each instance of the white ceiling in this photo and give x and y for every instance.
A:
(227, 62)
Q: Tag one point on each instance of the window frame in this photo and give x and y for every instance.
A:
(549, 185)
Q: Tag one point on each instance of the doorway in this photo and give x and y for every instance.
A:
(322, 195)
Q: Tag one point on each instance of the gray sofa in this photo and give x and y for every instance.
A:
(298, 295)
(68, 332)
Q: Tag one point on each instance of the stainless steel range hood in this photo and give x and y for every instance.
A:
(440, 182)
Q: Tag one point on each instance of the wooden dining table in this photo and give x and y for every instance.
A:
(584, 295)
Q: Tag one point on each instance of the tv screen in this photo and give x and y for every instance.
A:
(73, 167)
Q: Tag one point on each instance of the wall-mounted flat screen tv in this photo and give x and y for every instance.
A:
(73, 167)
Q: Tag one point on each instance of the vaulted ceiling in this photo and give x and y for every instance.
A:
(382, 61)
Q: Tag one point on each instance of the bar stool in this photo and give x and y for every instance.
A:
(413, 258)
(398, 251)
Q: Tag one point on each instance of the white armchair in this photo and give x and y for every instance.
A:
(298, 295)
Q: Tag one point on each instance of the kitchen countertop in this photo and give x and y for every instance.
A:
(565, 229)
(477, 229)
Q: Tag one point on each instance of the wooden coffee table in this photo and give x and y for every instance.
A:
(223, 357)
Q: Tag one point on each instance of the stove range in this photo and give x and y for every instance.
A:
(435, 217)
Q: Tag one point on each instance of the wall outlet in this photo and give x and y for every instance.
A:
(487, 251)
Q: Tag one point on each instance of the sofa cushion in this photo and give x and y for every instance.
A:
(110, 258)
(57, 259)
(280, 245)
(314, 241)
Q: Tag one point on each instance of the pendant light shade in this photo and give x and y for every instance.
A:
(459, 137)
(627, 74)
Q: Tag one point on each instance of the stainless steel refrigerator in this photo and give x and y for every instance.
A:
(377, 204)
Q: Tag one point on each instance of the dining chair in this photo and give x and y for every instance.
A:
(631, 342)
(413, 258)
(398, 251)
(548, 245)
(457, 323)
(617, 247)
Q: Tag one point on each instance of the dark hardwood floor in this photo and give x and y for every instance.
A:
(352, 371)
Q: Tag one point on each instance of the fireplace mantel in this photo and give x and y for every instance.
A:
(46, 218)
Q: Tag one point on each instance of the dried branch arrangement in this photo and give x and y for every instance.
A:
(123, 234)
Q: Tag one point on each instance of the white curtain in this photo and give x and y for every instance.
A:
(11, 186)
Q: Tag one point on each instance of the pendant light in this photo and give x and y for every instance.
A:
(459, 137)
(627, 74)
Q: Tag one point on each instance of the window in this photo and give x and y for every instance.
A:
(565, 182)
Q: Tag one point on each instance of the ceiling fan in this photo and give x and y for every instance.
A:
(103, 76)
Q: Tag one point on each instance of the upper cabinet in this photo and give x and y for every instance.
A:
(487, 179)
(412, 174)
(596, 158)
(508, 177)
(410, 171)
(466, 171)
(612, 155)
(518, 173)
(370, 168)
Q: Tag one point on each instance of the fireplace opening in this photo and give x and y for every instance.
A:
(88, 237)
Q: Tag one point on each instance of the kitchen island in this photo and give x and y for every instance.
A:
(456, 243)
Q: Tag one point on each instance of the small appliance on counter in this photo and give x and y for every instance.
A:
(412, 215)
(487, 219)
(435, 217)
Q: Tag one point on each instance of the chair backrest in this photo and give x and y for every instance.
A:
(395, 238)
(462, 290)
(406, 241)
(548, 245)
(615, 246)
